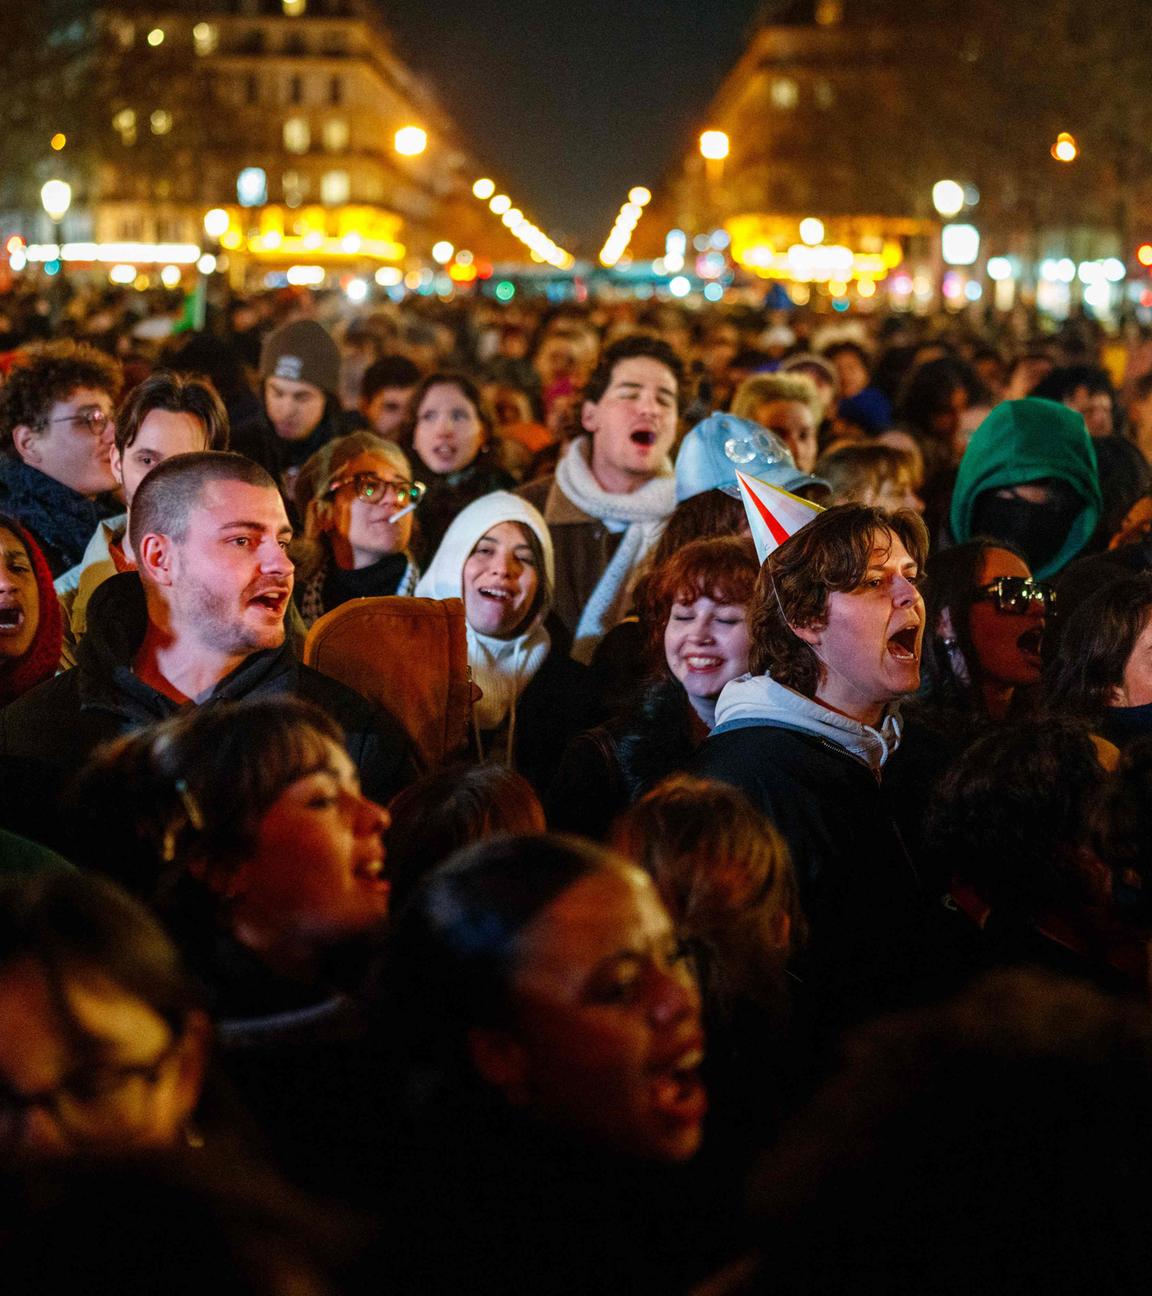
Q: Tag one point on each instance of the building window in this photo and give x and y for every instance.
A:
(160, 121)
(205, 37)
(334, 188)
(295, 188)
(785, 93)
(124, 123)
(252, 88)
(297, 136)
(336, 91)
(336, 135)
(296, 90)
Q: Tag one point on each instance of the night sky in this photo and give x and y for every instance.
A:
(570, 104)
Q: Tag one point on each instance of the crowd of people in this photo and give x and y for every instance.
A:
(769, 915)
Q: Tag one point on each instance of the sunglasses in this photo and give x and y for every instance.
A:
(1017, 595)
(369, 488)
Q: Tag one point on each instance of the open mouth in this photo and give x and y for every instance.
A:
(677, 1092)
(904, 645)
(500, 595)
(370, 873)
(700, 662)
(271, 600)
(643, 438)
(11, 620)
(1031, 641)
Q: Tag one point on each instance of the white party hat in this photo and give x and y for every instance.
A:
(773, 514)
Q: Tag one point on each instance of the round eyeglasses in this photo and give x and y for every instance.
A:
(370, 489)
(95, 420)
(1017, 595)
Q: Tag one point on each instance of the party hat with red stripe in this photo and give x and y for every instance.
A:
(773, 514)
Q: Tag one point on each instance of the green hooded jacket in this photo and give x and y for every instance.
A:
(1025, 441)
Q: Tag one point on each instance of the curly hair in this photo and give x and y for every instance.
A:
(830, 554)
(50, 373)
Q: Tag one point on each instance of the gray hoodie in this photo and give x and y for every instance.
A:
(759, 699)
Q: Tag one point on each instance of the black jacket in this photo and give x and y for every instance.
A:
(859, 888)
(47, 735)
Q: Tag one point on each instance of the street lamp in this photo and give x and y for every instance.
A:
(948, 198)
(410, 141)
(714, 145)
(1065, 149)
(56, 198)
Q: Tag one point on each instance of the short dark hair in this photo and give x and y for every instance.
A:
(49, 373)
(829, 554)
(166, 497)
(456, 944)
(388, 371)
(179, 394)
(1095, 645)
(638, 346)
(1065, 381)
(71, 923)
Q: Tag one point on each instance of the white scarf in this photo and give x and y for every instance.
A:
(503, 668)
(639, 514)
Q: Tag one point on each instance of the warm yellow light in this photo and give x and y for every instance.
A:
(442, 252)
(948, 197)
(714, 145)
(640, 196)
(58, 141)
(231, 239)
(866, 288)
(812, 231)
(1065, 150)
(837, 287)
(484, 189)
(170, 276)
(500, 204)
(215, 222)
(411, 141)
(156, 37)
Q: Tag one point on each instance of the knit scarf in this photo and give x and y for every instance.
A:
(638, 514)
(503, 668)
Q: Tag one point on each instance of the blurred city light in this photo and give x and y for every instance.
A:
(56, 198)
(812, 230)
(58, 141)
(948, 197)
(442, 252)
(484, 189)
(1065, 148)
(410, 141)
(714, 145)
(640, 196)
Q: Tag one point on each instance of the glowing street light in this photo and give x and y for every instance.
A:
(410, 141)
(812, 231)
(640, 196)
(714, 145)
(484, 189)
(1065, 148)
(500, 204)
(948, 198)
(56, 198)
(215, 222)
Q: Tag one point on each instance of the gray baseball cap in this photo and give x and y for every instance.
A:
(713, 450)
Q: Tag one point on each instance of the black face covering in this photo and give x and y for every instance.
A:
(1038, 530)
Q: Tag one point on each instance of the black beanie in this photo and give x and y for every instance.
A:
(302, 352)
